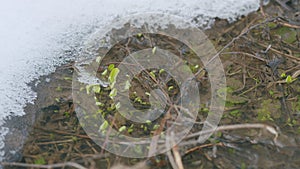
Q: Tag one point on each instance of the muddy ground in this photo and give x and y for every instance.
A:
(261, 58)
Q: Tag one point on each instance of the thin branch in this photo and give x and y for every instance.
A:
(171, 160)
(203, 146)
(293, 58)
(58, 165)
(177, 157)
(243, 32)
(289, 25)
(270, 129)
(244, 53)
(169, 142)
(261, 7)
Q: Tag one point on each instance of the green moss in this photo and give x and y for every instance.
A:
(291, 122)
(243, 166)
(272, 25)
(58, 89)
(287, 34)
(234, 99)
(231, 151)
(296, 106)
(234, 84)
(40, 161)
(268, 110)
(67, 114)
(231, 99)
(235, 113)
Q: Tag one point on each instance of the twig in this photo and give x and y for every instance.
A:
(246, 54)
(63, 133)
(270, 129)
(91, 147)
(261, 7)
(289, 25)
(243, 32)
(253, 87)
(55, 142)
(177, 156)
(283, 4)
(169, 143)
(293, 58)
(95, 156)
(154, 141)
(171, 160)
(202, 146)
(70, 164)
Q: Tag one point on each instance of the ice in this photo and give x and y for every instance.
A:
(35, 35)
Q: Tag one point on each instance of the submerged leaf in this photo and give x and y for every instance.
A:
(127, 85)
(289, 79)
(96, 88)
(123, 128)
(154, 50)
(110, 67)
(113, 93)
(103, 126)
(113, 76)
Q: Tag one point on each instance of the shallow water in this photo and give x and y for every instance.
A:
(36, 36)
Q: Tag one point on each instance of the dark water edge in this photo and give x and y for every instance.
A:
(20, 127)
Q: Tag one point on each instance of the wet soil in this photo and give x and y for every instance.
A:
(261, 59)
